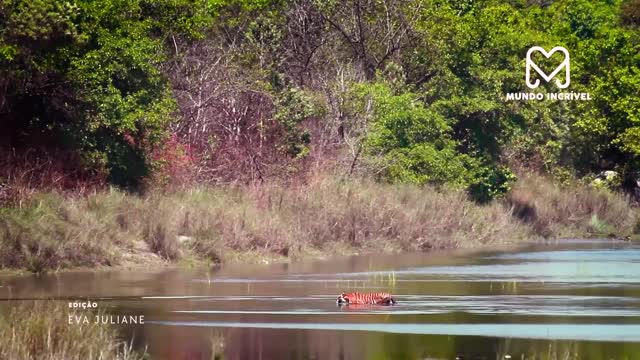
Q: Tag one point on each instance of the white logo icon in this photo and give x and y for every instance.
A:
(530, 64)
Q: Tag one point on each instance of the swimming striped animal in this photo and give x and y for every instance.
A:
(366, 299)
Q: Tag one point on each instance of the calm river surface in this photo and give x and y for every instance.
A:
(567, 300)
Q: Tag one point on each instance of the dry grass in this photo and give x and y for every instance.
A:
(571, 211)
(404, 217)
(53, 232)
(40, 330)
(27, 172)
(326, 216)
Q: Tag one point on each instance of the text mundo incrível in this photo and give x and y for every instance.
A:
(549, 96)
(533, 83)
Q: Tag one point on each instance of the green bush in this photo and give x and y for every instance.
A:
(491, 183)
(407, 141)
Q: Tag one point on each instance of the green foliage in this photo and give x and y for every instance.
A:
(292, 107)
(491, 183)
(86, 74)
(410, 142)
(432, 81)
(474, 53)
(606, 64)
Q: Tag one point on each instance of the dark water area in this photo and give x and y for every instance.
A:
(566, 300)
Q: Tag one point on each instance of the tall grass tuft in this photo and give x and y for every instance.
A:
(324, 215)
(53, 232)
(576, 210)
(40, 330)
(327, 215)
(403, 217)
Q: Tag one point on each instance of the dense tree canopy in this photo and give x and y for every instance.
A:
(85, 75)
(405, 90)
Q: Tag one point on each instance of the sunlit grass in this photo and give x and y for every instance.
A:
(273, 222)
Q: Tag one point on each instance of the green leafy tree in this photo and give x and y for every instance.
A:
(413, 142)
(85, 76)
(407, 141)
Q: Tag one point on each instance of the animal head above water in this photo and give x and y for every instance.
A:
(342, 300)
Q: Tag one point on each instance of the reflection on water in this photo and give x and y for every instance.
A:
(532, 331)
(570, 301)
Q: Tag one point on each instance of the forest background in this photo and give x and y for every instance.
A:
(354, 98)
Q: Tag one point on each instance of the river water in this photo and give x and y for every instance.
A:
(565, 300)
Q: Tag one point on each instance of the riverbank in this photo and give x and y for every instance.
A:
(214, 225)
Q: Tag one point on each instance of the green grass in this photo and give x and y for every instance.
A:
(275, 222)
(39, 330)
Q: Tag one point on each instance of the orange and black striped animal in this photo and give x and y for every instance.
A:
(366, 299)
